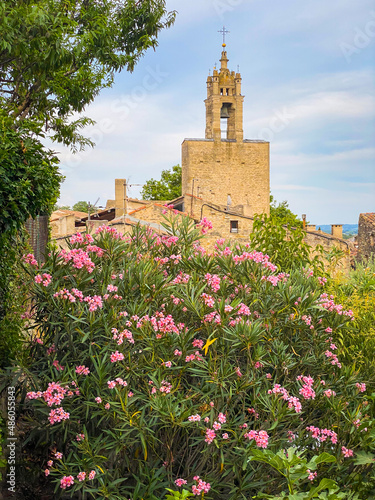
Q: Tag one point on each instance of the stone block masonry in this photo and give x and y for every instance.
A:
(228, 173)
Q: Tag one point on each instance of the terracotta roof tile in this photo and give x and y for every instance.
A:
(369, 217)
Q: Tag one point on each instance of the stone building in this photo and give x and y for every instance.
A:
(225, 177)
(366, 236)
(224, 168)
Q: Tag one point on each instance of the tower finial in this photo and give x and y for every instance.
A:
(223, 32)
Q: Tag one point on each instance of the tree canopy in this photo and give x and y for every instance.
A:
(281, 213)
(168, 188)
(56, 56)
(29, 175)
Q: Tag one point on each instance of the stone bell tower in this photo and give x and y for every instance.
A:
(224, 101)
(224, 168)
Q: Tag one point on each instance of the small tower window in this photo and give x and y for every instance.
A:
(227, 91)
(234, 226)
(221, 91)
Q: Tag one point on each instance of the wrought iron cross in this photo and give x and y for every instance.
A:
(223, 32)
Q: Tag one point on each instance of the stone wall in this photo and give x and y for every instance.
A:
(366, 236)
(222, 168)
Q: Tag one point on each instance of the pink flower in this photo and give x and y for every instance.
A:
(130, 394)
(205, 225)
(346, 452)
(58, 455)
(92, 474)
(198, 343)
(168, 364)
(180, 482)
(361, 387)
(311, 475)
(222, 418)
(261, 438)
(268, 375)
(107, 406)
(50, 463)
(177, 352)
(82, 370)
(57, 415)
(80, 437)
(210, 436)
(329, 393)
(206, 419)
(46, 472)
(81, 476)
(194, 418)
(66, 481)
(200, 487)
(116, 356)
(225, 435)
(98, 399)
(111, 384)
(216, 426)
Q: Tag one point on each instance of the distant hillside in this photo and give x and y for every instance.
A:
(347, 229)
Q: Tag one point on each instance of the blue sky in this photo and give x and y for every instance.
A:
(308, 76)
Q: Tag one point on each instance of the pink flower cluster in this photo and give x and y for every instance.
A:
(293, 402)
(306, 391)
(94, 302)
(165, 387)
(361, 387)
(329, 304)
(243, 309)
(205, 225)
(311, 475)
(213, 280)
(257, 257)
(118, 381)
(71, 296)
(222, 418)
(30, 259)
(116, 356)
(54, 394)
(45, 279)
(79, 257)
(200, 487)
(194, 418)
(198, 343)
(116, 235)
(192, 357)
(58, 415)
(346, 452)
(208, 300)
(180, 482)
(66, 481)
(334, 360)
(329, 393)
(271, 279)
(210, 436)
(120, 336)
(181, 278)
(81, 238)
(322, 434)
(261, 438)
(82, 370)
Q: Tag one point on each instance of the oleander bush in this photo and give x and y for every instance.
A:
(158, 370)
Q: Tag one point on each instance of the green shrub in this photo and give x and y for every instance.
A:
(157, 362)
(357, 338)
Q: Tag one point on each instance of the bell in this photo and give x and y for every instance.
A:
(224, 112)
